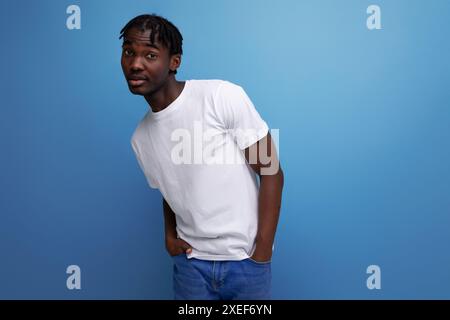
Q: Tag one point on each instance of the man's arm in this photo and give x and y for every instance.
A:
(262, 157)
(174, 245)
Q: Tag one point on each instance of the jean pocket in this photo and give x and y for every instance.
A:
(259, 262)
(179, 255)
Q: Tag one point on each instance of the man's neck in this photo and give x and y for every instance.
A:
(165, 95)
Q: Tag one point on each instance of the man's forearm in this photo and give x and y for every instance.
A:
(169, 221)
(269, 204)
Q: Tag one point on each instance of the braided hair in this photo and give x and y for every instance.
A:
(165, 31)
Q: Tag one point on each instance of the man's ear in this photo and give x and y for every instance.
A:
(175, 62)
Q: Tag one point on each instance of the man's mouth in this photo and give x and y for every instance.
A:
(135, 81)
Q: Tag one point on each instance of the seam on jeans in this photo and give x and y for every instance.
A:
(213, 276)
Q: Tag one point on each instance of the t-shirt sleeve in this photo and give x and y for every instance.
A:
(239, 115)
(150, 182)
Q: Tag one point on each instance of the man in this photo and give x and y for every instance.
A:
(203, 145)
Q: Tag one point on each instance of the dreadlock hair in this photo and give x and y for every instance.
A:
(165, 31)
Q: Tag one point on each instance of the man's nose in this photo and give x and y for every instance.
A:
(136, 64)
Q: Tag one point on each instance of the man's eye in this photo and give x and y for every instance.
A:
(151, 56)
(127, 52)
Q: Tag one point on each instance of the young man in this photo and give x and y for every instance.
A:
(203, 144)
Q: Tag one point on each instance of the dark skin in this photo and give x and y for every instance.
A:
(147, 67)
(153, 63)
(269, 198)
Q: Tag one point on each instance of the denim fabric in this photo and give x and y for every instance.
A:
(195, 279)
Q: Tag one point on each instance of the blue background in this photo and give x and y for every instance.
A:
(364, 144)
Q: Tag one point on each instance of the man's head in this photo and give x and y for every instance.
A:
(151, 53)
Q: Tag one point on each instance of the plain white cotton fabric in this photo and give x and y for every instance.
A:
(192, 151)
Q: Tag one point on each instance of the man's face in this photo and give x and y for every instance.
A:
(145, 65)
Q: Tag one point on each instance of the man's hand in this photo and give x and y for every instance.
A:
(262, 253)
(263, 258)
(177, 246)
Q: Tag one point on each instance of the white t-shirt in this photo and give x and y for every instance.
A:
(192, 151)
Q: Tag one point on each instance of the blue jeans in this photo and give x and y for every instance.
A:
(195, 279)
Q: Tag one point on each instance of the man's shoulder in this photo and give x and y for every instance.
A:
(212, 85)
(218, 92)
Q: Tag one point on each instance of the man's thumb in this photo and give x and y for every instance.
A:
(186, 246)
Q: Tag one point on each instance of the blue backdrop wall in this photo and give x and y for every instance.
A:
(364, 143)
